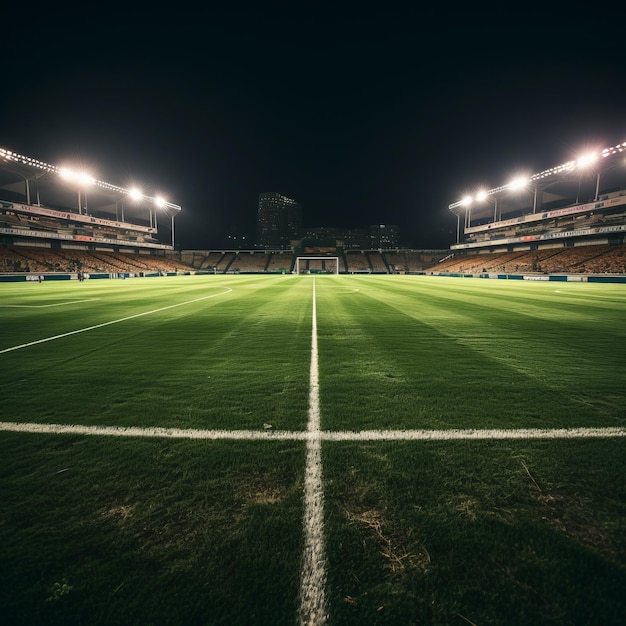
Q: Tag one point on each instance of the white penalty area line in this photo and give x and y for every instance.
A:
(117, 321)
(319, 436)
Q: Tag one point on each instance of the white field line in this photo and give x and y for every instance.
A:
(474, 433)
(122, 319)
(320, 436)
(45, 306)
(147, 432)
(313, 609)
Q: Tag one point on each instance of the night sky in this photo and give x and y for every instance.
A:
(363, 118)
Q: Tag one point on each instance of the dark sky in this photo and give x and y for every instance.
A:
(381, 117)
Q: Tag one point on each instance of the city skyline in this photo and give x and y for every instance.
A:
(280, 225)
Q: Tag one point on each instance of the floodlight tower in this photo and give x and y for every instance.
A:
(591, 161)
(161, 203)
(82, 179)
(134, 193)
(39, 166)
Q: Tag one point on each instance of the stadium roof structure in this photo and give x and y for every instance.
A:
(30, 181)
(580, 180)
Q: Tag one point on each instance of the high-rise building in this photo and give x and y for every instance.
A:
(279, 221)
(384, 236)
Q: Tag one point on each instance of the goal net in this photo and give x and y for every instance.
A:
(317, 265)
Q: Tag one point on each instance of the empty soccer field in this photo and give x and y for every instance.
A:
(330, 449)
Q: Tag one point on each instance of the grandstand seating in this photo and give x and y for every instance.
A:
(280, 262)
(249, 262)
(376, 262)
(589, 259)
(43, 260)
(357, 261)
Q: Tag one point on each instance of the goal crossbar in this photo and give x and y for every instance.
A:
(302, 264)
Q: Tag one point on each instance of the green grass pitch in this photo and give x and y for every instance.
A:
(164, 530)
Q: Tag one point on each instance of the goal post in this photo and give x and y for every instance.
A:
(321, 265)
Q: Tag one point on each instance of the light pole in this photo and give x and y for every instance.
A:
(82, 180)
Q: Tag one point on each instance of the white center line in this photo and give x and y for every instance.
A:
(313, 611)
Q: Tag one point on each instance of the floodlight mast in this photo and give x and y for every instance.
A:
(83, 179)
(465, 205)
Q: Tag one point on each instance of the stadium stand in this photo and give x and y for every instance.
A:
(590, 259)
(280, 261)
(376, 262)
(357, 261)
(562, 224)
(23, 259)
(248, 261)
(569, 219)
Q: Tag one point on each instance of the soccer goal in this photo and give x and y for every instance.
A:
(317, 265)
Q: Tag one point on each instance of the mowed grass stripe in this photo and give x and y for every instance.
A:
(229, 363)
(103, 301)
(112, 529)
(113, 321)
(403, 346)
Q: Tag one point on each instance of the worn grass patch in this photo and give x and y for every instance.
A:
(114, 531)
(489, 532)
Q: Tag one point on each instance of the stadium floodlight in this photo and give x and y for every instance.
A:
(134, 193)
(518, 182)
(73, 175)
(161, 203)
(82, 178)
(77, 176)
(585, 163)
(586, 160)
(542, 179)
(481, 195)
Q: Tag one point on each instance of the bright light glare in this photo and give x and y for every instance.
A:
(586, 159)
(80, 177)
(518, 183)
(467, 200)
(135, 193)
(481, 195)
(160, 202)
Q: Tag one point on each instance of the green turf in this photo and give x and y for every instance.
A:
(220, 359)
(476, 532)
(104, 530)
(405, 353)
(96, 531)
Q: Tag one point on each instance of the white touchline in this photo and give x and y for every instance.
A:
(122, 319)
(313, 574)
